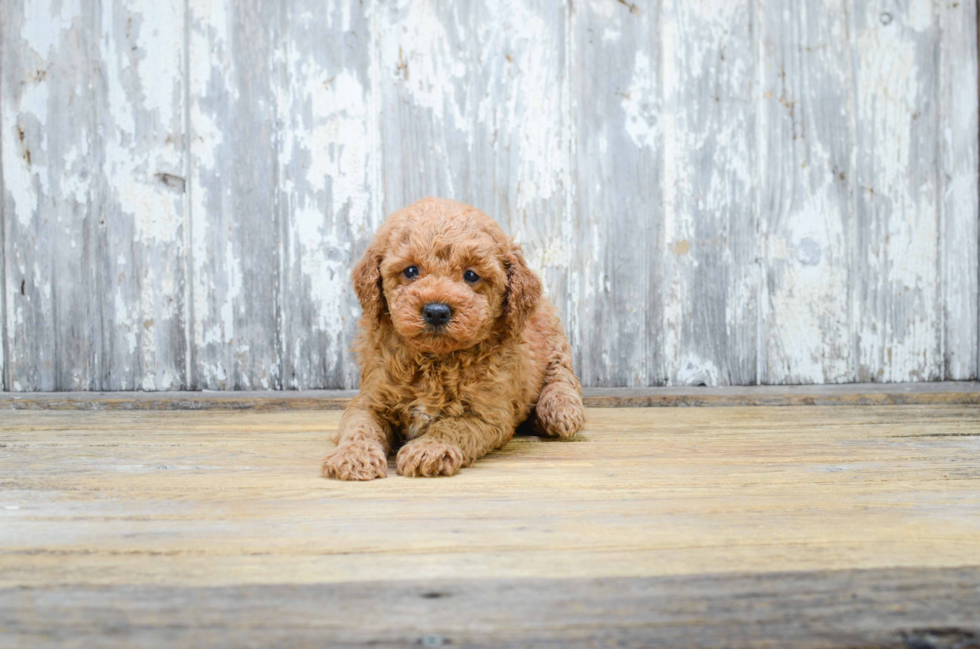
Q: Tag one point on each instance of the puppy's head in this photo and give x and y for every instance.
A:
(446, 277)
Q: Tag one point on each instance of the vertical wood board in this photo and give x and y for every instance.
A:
(93, 195)
(958, 134)
(711, 276)
(896, 300)
(806, 177)
(329, 161)
(617, 199)
(236, 230)
(3, 228)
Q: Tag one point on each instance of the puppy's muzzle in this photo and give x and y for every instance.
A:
(436, 314)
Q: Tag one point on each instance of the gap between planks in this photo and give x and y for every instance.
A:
(952, 393)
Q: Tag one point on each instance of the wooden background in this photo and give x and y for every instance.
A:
(718, 192)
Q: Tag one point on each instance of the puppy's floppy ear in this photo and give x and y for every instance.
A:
(523, 290)
(366, 278)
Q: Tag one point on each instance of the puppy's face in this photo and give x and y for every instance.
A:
(444, 286)
(446, 276)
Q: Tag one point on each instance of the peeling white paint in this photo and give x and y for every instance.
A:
(44, 25)
(708, 199)
(899, 337)
(25, 175)
(958, 84)
(761, 214)
(693, 370)
(921, 15)
(327, 158)
(124, 319)
(425, 62)
(611, 35)
(804, 330)
(541, 154)
(210, 36)
(640, 103)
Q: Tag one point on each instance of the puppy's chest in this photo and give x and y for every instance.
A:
(426, 401)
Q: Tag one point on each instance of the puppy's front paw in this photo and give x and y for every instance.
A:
(559, 411)
(428, 457)
(358, 461)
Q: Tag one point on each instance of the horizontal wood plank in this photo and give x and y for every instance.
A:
(962, 393)
(808, 527)
(851, 608)
(219, 497)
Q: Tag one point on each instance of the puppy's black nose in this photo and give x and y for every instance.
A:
(436, 314)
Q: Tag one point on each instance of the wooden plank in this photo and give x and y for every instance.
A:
(896, 230)
(51, 229)
(711, 277)
(142, 190)
(3, 241)
(787, 395)
(330, 198)
(806, 199)
(680, 527)
(3, 225)
(236, 227)
(473, 109)
(93, 195)
(572, 123)
(961, 393)
(886, 608)
(959, 170)
(210, 498)
(224, 400)
(617, 172)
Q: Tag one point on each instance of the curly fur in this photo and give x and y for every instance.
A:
(454, 395)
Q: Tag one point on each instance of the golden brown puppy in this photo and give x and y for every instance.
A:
(457, 347)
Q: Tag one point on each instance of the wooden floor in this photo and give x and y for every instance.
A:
(741, 526)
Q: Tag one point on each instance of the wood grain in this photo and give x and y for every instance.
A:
(232, 498)
(329, 164)
(3, 238)
(958, 182)
(93, 138)
(896, 228)
(49, 234)
(618, 196)
(236, 231)
(716, 193)
(846, 609)
(806, 205)
(953, 393)
(711, 278)
(472, 98)
(836, 526)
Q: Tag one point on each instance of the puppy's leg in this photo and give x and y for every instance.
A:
(362, 446)
(559, 411)
(450, 444)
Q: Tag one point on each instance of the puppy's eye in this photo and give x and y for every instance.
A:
(471, 277)
(411, 272)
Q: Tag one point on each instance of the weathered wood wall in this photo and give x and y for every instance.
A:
(719, 192)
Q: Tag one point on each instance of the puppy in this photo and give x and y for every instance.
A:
(457, 347)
